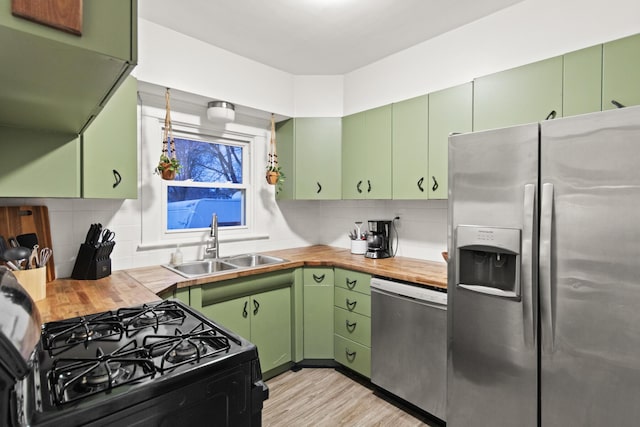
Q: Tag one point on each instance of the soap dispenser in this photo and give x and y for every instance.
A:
(177, 256)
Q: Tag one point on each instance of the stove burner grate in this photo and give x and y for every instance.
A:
(137, 318)
(62, 335)
(76, 378)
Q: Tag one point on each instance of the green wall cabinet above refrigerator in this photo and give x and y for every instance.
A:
(621, 72)
(366, 154)
(520, 95)
(56, 81)
(310, 156)
(582, 81)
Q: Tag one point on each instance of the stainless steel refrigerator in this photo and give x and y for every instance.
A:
(544, 274)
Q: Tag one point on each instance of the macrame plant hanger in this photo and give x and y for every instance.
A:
(273, 171)
(168, 156)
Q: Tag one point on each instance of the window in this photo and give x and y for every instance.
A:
(213, 179)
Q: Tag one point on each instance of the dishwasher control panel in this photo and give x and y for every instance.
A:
(409, 290)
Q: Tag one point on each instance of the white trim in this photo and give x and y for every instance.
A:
(186, 243)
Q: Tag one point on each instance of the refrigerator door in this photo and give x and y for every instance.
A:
(590, 270)
(492, 356)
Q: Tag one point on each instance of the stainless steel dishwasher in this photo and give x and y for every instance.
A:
(409, 343)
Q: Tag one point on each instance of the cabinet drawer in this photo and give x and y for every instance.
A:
(318, 276)
(352, 301)
(353, 355)
(354, 326)
(353, 280)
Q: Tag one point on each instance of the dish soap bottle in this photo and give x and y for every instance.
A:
(177, 256)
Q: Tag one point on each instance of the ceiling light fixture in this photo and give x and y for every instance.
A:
(221, 111)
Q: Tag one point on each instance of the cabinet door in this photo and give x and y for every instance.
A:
(410, 148)
(450, 110)
(318, 321)
(582, 81)
(377, 146)
(620, 65)
(271, 327)
(318, 158)
(521, 95)
(233, 314)
(110, 153)
(286, 158)
(354, 167)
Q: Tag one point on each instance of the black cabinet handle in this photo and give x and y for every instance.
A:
(118, 178)
(245, 313)
(617, 104)
(358, 186)
(351, 305)
(351, 356)
(318, 279)
(351, 284)
(350, 326)
(551, 115)
(319, 188)
(420, 181)
(369, 186)
(256, 306)
(435, 184)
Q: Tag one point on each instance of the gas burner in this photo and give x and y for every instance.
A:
(138, 318)
(62, 335)
(75, 378)
(180, 348)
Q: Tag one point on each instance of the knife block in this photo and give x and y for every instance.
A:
(93, 262)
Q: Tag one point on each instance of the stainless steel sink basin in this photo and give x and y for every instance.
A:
(208, 267)
(253, 260)
(201, 268)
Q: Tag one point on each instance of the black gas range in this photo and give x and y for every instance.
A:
(160, 364)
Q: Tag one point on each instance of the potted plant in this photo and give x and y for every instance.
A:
(168, 167)
(275, 176)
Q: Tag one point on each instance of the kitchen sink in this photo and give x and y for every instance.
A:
(201, 268)
(253, 260)
(208, 267)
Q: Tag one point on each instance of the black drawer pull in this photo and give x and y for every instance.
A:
(245, 313)
(369, 186)
(358, 186)
(351, 304)
(256, 306)
(319, 188)
(420, 181)
(350, 326)
(351, 356)
(551, 115)
(617, 104)
(351, 284)
(117, 177)
(435, 184)
(318, 279)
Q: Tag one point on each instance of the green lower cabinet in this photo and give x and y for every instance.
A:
(353, 326)
(582, 81)
(264, 319)
(620, 65)
(318, 313)
(352, 355)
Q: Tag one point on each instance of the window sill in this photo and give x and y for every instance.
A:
(191, 242)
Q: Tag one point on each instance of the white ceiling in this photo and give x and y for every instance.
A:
(316, 37)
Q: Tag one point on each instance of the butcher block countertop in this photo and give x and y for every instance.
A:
(69, 298)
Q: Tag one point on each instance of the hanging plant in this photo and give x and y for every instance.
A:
(274, 173)
(169, 165)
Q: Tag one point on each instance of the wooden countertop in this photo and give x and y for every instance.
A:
(70, 298)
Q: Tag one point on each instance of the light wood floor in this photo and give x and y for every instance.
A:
(325, 397)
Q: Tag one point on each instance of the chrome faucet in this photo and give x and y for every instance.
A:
(213, 244)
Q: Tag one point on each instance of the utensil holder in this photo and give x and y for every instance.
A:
(34, 281)
(93, 262)
(358, 247)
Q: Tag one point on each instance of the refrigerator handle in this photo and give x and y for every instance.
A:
(546, 304)
(527, 274)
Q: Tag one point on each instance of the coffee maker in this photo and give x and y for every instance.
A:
(379, 239)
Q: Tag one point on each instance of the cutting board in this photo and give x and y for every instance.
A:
(17, 220)
(65, 15)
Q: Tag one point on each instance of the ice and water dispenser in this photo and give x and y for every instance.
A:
(488, 260)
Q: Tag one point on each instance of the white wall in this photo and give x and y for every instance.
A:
(529, 31)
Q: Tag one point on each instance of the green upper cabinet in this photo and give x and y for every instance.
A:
(621, 72)
(309, 154)
(520, 95)
(410, 148)
(582, 81)
(450, 110)
(366, 154)
(110, 155)
(56, 81)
